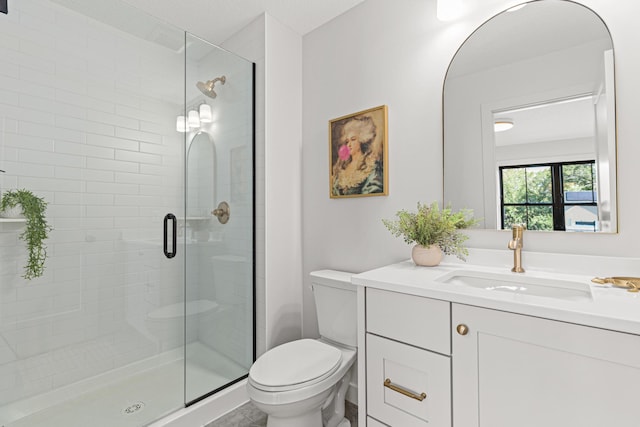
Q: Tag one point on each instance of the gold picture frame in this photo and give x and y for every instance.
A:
(358, 164)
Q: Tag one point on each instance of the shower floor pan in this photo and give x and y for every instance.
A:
(134, 401)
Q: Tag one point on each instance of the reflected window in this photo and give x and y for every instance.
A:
(552, 196)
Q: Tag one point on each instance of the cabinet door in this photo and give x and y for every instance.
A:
(374, 423)
(407, 369)
(513, 370)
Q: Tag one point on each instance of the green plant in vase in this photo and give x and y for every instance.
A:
(36, 230)
(433, 230)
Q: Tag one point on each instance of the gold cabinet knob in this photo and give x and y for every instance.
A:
(462, 329)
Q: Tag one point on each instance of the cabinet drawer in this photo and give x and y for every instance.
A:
(423, 322)
(410, 369)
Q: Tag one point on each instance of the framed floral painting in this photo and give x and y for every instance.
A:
(358, 154)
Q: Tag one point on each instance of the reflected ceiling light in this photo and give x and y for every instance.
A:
(500, 125)
(205, 113)
(448, 10)
(193, 119)
(181, 124)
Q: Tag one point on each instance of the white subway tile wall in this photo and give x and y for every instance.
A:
(71, 133)
(87, 121)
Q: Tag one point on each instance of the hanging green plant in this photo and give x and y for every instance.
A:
(36, 230)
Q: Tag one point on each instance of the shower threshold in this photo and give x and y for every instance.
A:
(136, 400)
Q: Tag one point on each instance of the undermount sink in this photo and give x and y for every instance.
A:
(518, 283)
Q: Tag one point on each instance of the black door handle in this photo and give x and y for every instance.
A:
(170, 217)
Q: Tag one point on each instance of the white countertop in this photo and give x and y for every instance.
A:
(609, 308)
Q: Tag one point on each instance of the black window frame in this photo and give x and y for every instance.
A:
(558, 203)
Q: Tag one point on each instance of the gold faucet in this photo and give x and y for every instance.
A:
(515, 245)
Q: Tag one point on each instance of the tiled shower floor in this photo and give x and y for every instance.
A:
(249, 416)
(133, 401)
(157, 391)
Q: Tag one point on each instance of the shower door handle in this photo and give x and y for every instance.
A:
(170, 217)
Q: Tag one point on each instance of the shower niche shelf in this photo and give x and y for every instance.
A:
(12, 220)
(11, 224)
(196, 222)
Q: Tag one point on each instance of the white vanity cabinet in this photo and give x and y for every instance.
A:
(408, 363)
(508, 350)
(486, 367)
(516, 370)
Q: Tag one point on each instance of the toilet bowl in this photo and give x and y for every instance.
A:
(304, 382)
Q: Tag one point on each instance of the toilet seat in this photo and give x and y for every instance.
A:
(294, 365)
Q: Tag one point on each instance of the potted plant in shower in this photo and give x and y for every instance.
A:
(434, 231)
(36, 230)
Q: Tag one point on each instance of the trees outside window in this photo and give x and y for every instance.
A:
(550, 196)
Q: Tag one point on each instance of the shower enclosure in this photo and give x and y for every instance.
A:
(146, 303)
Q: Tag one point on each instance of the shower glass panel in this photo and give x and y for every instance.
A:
(90, 92)
(219, 246)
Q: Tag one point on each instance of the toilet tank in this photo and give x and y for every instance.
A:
(336, 306)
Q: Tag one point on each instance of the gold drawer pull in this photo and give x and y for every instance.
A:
(420, 397)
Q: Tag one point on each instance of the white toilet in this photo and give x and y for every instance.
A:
(303, 383)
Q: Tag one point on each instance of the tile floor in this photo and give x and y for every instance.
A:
(124, 400)
(249, 416)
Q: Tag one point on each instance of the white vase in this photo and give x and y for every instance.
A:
(428, 256)
(14, 212)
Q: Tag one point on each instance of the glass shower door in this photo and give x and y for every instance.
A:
(98, 339)
(218, 237)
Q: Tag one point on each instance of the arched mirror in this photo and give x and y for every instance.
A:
(529, 121)
(201, 162)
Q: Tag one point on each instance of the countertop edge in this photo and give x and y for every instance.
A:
(421, 283)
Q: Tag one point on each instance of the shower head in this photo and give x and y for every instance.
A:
(207, 88)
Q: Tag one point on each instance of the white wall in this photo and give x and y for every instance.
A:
(397, 53)
(283, 145)
(276, 50)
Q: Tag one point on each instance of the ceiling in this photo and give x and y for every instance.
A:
(216, 20)
(552, 121)
(163, 22)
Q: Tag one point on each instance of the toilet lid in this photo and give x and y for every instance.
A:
(295, 362)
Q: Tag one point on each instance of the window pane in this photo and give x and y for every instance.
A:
(514, 215)
(539, 185)
(514, 187)
(581, 218)
(578, 185)
(540, 218)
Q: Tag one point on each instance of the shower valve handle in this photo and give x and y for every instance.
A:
(222, 212)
